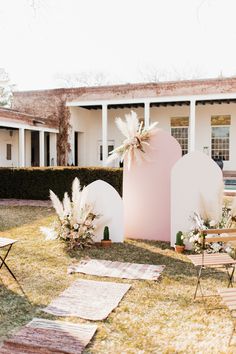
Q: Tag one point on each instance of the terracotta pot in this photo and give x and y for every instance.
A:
(106, 243)
(179, 249)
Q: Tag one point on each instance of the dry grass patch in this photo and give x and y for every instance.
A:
(153, 317)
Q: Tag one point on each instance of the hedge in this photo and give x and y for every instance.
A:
(35, 183)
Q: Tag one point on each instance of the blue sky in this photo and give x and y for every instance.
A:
(126, 40)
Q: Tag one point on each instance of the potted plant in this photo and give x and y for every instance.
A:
(179, 244)
(106, 242)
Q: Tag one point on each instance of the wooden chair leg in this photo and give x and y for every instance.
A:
(233, 330)
(199, 273)
(230, 276)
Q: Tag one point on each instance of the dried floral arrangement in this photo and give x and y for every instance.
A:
(76, 219)
(137, 141)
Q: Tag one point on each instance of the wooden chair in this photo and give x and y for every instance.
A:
(229, 299)
(6, 245)
(214, 260)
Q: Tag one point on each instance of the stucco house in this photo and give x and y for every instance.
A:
(77, 125)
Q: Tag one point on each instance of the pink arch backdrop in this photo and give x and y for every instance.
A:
(146, 190)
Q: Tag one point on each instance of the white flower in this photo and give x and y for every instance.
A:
(212, 223)
(228, 249)
(49, 233)
(216, 247)
(76, 226)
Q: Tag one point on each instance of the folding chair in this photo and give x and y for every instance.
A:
(214, 260)
(8, 243)
(229, 299)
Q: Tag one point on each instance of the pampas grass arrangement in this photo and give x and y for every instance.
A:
(136, 144)
(75, 218)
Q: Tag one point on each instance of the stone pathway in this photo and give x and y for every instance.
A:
(25, 202)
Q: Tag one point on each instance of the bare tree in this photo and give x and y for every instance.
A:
(154, 74)
(83, 79)
(150, 74)
(36, 5)
(5, 89)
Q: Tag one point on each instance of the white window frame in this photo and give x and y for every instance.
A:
(109, 143)
(221, 126)
(181, 127)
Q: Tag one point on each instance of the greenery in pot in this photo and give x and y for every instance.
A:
(179, 244)
(106, 242)
(106, 234)
(179, 239)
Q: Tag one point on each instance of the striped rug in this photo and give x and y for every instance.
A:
(118, 269)
(44, 337)
(88, 299)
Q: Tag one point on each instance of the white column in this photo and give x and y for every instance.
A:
(53, 149)
(146, 114)
(21, 143)
(41, 148)
(192, 126)
(104, 135)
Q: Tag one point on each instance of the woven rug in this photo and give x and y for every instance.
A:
(118, 269)
(88, 299)
(44, 337)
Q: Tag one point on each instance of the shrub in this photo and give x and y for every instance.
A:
(35, 182)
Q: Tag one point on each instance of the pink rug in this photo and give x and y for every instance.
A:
(88, 299)
(44, 337)
(118, 269)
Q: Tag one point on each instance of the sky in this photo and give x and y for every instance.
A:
(44, 41)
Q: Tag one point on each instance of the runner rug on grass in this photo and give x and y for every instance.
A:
(117, 269)
(44, 336)
(88, 299)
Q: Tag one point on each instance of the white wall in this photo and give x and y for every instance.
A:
(163, 115)
(53, 149)
(5, 139)
(89, 122)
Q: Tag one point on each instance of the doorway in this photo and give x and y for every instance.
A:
(34, 148)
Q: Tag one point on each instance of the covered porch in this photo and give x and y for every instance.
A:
(26, 143)
(94, 132)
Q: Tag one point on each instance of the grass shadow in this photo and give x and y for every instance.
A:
(148, 252)
(15, 216)
(15, 311)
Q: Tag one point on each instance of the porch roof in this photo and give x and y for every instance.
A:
(14, 116)
(135, 104)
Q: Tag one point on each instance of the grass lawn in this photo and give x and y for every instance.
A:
(153, 317)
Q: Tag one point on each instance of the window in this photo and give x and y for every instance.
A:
(110, 148)
(220, 137)
(220, 143)
(179, 130)
(9, 151)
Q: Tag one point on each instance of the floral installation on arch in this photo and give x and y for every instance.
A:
(136, 144)
(76, 219)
